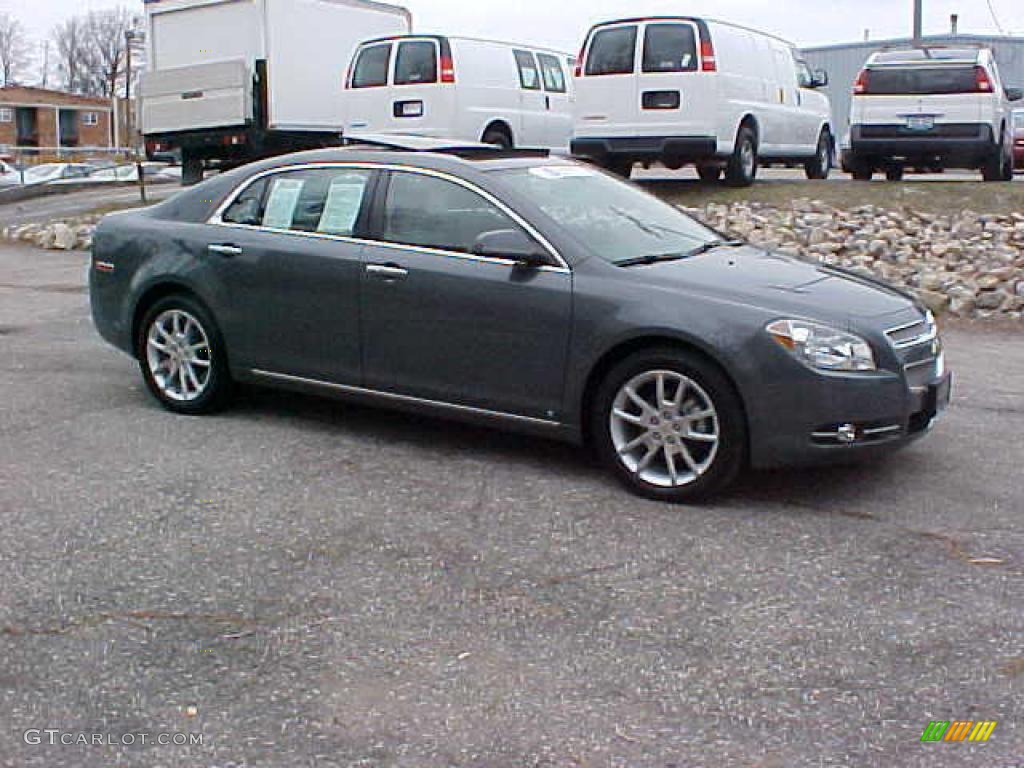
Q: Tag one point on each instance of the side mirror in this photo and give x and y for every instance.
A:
(1014, 94)
(819, 78)
(512, 244)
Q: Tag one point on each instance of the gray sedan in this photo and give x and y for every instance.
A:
(520, 290)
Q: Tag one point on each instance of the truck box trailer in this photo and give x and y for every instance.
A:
(236, 80)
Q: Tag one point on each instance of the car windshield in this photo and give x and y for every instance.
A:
(613, 220)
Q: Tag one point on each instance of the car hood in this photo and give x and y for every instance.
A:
(777, 282)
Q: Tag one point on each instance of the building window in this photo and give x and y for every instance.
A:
(6, 115)
(90, 118)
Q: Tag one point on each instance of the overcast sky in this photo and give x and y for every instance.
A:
(561, 23)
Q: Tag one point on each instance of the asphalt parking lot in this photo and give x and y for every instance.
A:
(307, 583)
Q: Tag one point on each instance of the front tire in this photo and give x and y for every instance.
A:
(182, 357)
(819, 167)
(670, 425)
(742, 167)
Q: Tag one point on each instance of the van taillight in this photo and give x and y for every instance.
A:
(708, 62)
(447, 69)
(348, 77)
(983, 84)
(579, 60)
(860, 85)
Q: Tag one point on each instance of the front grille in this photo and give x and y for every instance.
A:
(913, 334)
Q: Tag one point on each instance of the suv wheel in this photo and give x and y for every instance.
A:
(742, 167)
(182, 357)
(999, 166)
(669, 425)
(819, 167)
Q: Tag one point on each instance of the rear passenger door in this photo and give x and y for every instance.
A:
(416, 98)
(533, 131)
(556, 94)
(283, 257)
(606, 94)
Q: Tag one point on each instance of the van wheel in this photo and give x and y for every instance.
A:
(999, 166)
(620, 166)
(709, 173)
(742, 168)
(894, 173)
(819, 167)
(670, 425)
(498, 137)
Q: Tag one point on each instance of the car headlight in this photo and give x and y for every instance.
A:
(822, 347)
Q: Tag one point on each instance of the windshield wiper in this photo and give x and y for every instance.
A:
(654, 258)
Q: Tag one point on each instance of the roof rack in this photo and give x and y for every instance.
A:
(413, 143)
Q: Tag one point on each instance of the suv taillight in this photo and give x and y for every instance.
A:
(982, 82)
(708, 62)
(860, 85)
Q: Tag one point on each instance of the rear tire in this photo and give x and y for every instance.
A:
(709, 173)
(819, 167)
(999, 167)
(499, 137)
(861, 171)
(696, 439)
(182, 357)
(619, 166)
(191, 169)
(742, 167)
(894, 173)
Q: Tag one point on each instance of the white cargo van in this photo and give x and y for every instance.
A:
(683, 90)
(234, 80)
(931, 107)
(460, 88)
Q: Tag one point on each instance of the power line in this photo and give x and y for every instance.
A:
(995, 18)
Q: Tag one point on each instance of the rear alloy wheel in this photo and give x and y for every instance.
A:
(819, 167)
(670, 426)
(709, 173)
(182, 358)
(742, 167)
(894, 173)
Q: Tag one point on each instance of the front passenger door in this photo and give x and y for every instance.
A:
(442, 324)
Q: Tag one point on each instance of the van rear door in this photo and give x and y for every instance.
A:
(368, 96)
(423, 92)
(675, 97)
(606, 92)
(918, 97)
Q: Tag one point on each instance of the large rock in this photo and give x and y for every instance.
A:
(63, 237)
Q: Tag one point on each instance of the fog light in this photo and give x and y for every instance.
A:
(847, 433)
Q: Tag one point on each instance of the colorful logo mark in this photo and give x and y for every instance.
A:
(958, 730)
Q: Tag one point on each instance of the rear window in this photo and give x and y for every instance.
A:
(416, 63)
(921, 81)
(612, 52)
(372, 67)
(670, 48)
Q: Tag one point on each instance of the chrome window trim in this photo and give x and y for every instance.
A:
(217, 219)
(395, 397)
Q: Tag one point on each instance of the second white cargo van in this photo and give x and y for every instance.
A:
(460, 88)
(681, 90)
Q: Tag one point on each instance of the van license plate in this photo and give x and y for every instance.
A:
(921, 123)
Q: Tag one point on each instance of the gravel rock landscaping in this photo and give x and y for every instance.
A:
(62, 235)
(962, 263)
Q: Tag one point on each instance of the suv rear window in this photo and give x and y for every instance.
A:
(612, 52)
(921, 81)
(372, 67)
(416, 63)
(670, 48)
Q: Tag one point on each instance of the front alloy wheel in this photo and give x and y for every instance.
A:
(670, 425)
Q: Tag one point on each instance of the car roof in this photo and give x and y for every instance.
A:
(926, 55)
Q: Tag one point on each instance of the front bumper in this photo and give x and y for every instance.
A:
(963, 144)
(682, 148)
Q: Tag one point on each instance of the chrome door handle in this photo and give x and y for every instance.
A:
(386, 271)
(228, 251)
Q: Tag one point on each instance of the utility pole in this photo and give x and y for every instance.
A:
(130, 36)
(918, 22)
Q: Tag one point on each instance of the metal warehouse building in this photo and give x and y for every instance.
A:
(843, 62)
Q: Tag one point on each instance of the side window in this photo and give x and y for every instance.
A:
(416, 63)
(612, 52)
(554, 75)
(324, 201)
(803, 74)
(248, 206)
(434, 213)
(529, 77)
(371, 70)
(670, 48)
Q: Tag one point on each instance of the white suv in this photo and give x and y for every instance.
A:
(931, 107)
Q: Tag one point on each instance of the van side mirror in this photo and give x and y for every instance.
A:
(1014, 94)
(512, 244)
(819, 78)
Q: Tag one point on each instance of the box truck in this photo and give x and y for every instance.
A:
(235, 80)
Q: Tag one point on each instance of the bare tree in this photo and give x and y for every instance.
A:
(72, 54)
(14, 49)
(91, 51)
